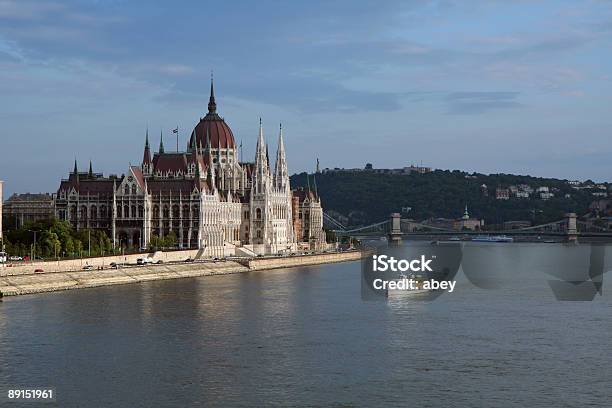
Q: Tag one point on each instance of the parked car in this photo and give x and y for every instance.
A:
(38, 270)
(188, 260)
(159, 262)
(114, 265)
(88, 267)
(144, 261)
(16, 258)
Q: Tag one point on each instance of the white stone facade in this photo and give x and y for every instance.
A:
(205, 197)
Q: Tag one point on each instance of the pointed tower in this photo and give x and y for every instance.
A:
(261, 172)
(466, 214)
(75, 171)
(212, 105)
(90, 172)
(161, 142)
(281, 174)
(147, 167)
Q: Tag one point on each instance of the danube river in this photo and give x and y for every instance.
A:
(305, 337)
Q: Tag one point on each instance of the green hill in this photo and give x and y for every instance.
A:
(367, 196)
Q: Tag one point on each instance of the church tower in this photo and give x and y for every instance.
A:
(147, 165)
(261, 172)
(281, 174)
(260, 193)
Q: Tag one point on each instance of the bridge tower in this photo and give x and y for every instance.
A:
(572, 229)
(395, 233)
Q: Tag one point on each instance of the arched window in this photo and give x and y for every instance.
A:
(155, 211)
(83, 212)
(140, 211)
(126, 211)
(166, 212)
(93, 211)
(258, 214)
(133, 211)
(126, 190)
(258, 233)
(175, 211)
(102, 212)
(134, 189)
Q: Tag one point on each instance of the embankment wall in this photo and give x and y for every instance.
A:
(22, 284)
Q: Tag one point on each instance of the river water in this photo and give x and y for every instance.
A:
(304, 337)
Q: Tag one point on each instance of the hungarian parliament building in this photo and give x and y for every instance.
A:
(204, 196)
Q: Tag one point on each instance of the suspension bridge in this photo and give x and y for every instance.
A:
(395, 228)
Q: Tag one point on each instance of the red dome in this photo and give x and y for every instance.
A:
(214, 127)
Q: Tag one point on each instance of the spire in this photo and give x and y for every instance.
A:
(466, 215)
(146, 158)
(262, 169)
(281, 174)
(212, 105)
(76, 172)
(90, 170)
(161, 142)
(314, 181)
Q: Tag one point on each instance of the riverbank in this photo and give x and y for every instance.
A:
(29, 283)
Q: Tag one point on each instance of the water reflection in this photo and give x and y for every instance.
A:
(304, 337)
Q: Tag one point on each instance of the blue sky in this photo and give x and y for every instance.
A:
(491, 86)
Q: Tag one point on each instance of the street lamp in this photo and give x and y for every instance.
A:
(33, 249)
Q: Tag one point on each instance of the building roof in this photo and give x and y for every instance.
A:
(137, 171)
(29, 197)
(171, 162)
(213, 128)
(99, 186)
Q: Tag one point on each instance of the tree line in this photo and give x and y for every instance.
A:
(366, 197)
(53, 238)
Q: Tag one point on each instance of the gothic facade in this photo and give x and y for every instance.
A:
(204, 196)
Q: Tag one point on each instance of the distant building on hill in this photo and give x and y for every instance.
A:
(467, 223)
(458, 224)
(369, 168)
(502, 193)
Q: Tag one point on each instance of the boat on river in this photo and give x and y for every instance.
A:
(492, 238)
